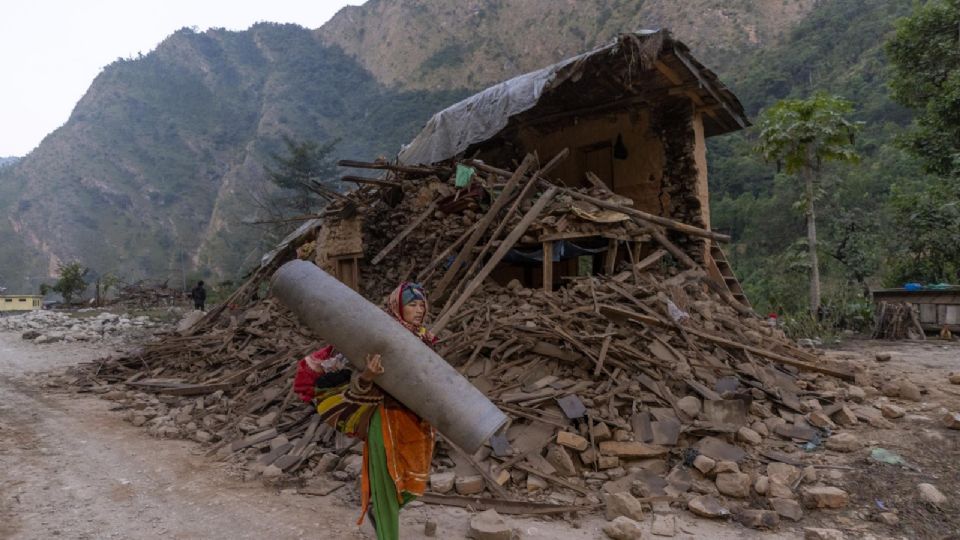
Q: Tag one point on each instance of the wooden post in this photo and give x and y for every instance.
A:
(610, 263)
(548, 266)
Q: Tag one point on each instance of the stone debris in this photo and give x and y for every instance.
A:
(489, 525)
(951, 420)
(758, 519)
(824, 497)
(813, 533)
(954, 378)
(787, 508)
(707, 506)
(930, 494)
(623, 528)
(664, 525)
(844, 442)
(84, 325)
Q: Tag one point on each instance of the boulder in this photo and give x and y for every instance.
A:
(892, 411)
(664, 525)
(623, 528)
(749, 436)
(440, 482)
(704, 464)
(783, 472)
(623, 504)
(759, 519)
(930, 494)
(707, 506)
(787, 508)
(734, 484)
(910, 391)
(489, 525)
(843, 442)
(469, 485)
(824, 497)
(689, 406)
(814, 533)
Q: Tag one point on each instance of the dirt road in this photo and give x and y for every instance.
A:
(71, 468)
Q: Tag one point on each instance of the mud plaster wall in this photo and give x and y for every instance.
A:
(638, 176)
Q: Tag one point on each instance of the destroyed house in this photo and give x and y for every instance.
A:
(633, 116)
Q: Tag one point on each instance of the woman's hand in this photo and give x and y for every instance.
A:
(374, 368)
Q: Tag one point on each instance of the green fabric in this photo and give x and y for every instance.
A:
(464, 174)
(383, 492)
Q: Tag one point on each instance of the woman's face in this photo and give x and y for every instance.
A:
(414, 311)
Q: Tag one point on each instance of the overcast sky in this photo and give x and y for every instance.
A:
(51, 50)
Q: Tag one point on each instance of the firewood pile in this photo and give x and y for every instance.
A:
(644, 385)
(897, 320)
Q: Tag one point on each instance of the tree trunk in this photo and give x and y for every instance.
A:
(812, 244)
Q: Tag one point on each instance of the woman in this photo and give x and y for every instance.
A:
(398, 444)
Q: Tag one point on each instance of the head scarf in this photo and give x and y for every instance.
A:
(405, 293)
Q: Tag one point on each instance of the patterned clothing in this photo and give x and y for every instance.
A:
(398, 444)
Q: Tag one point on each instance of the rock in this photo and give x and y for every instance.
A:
(607, 462)
(890, 389)
(623, 504)
(810, 474)
(910, 391)
(707, 506)
(951, 420)
(601, 432)
(843, 442)
(888, 518)
(749, 436)
(761, 485)
(820, 420)
(930, 494)
(441, 482)
(328, 462)
(784, 473)
(469, 485)
(758, 519)
(856, 394)
(954, 377)
(631, 449)
(535, 483)
(139, 420)
(734, 484)
(813, 533)
(787, 508)
(689, 406)
(704, 464)
(845, 417)
(272, 471)
(489, 525)
(664, 525)
(779, 490)
(892, 411)
(572, 440)
(30, 334)
(352, 465)
(883, 356)
(726, 467)
(623, 528)
(560, 459)
(202, 436)
(824, 497)
(430, 528)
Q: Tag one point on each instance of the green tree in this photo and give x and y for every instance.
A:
(800, 135)
(301, 173)
(924, 56)
(925, 76)
(72, 281)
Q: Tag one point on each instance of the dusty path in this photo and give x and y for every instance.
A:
(71, 468)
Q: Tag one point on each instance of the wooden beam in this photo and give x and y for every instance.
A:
(648, 218)
(390, 167)
(371, 181)
(674, 250)
(428, 269)
(495, 259)
(650, 259)
(741, 121)
(403, 234)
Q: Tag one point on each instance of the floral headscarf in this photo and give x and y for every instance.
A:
(405, 293)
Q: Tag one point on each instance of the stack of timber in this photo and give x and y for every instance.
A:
(644, 384)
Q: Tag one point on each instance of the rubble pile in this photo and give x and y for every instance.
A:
(645, 385)
(43, 326)
(146, 294)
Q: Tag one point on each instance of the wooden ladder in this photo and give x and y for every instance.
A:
(729, 278)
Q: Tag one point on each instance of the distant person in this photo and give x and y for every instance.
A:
(199, 295)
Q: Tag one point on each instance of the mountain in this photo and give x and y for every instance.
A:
(161, 161)
(7, 161)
